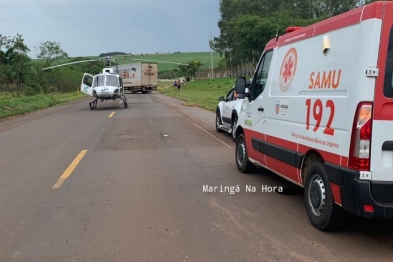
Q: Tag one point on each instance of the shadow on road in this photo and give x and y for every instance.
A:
(380, 230)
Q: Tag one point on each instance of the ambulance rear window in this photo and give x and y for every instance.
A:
(388, 88)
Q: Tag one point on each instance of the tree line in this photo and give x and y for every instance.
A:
(19, 74)
(22, 75)
(112, 54)
(246, 26)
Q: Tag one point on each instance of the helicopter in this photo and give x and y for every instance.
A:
(107, 85)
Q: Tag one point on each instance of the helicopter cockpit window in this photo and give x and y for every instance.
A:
(112, 80)
(99, 80)
(94, 82)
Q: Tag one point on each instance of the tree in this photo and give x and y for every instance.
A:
(175, 72)
(247, 25)
(5, 43)
(22, 50)
(190, 69)
(370, 1)
(51, 51)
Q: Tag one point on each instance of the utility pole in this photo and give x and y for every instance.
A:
(211, 54)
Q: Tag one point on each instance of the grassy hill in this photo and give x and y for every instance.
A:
(204, 57)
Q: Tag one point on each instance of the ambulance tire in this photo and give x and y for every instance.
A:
(242, 162)
(323, 212)
(218, 122)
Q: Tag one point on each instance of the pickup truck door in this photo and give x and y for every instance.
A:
(228, 106)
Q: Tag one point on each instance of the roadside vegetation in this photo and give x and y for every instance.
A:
(200, 93)
(25, 87)
(12, 105)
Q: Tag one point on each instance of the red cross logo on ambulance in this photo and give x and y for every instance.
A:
(288, 69)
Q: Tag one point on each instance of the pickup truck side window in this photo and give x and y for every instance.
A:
(262, 74)
(388, 87)
(230, 95)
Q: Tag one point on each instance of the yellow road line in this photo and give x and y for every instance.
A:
(111, 114)
(69, 170)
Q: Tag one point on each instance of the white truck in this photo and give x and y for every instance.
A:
(138, 77)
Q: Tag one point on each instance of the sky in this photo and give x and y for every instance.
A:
(92, 27)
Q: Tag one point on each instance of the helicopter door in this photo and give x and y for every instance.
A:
(86, 85)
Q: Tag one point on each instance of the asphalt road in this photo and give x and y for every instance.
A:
(82, 185)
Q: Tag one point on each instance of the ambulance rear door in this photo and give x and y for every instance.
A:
(381, 156)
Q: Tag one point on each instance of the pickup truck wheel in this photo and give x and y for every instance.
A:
(243, 164)
(323, 212)
(218, 122)
(234, 126)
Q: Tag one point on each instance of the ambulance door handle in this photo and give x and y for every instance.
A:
(261, 109)
(387, 146)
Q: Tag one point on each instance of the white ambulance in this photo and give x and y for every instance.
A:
(319, 113)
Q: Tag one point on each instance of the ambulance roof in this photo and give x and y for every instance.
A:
(373, 10)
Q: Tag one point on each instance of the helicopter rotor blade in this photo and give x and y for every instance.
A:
(160, 61)
(112, 59)
(71, 63)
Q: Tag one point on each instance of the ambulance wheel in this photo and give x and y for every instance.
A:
(243, 163)
(323, 212)
(218, 122)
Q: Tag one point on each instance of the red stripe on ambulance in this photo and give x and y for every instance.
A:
(303, 149)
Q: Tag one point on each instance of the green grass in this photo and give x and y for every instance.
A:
(12, 106)
(200, 93)
(204, 57)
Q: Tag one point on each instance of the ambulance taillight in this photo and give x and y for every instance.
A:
(359, 156)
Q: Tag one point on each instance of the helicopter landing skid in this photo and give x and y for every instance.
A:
(124, 98)
(93, 105)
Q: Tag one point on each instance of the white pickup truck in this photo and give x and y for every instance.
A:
(228, 110)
